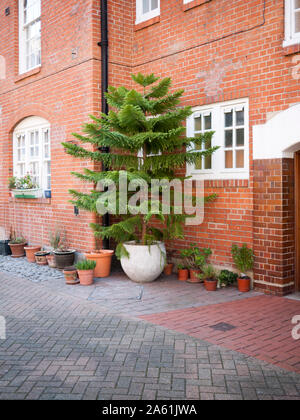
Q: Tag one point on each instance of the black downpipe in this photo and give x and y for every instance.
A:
(104, 87)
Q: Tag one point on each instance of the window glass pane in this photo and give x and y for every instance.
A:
(297, 21)
(228, 138)
(297, 4)
(146, 6)
(240, 159)
(208, 162)
(207, 122)
(229, 159)
(240, 137)
(198, 164)
(240, 117)
(198, 124)
(229, 119)
(154, 4)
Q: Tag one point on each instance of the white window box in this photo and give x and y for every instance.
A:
(30, 193)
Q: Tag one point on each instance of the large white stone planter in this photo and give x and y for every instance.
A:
(146, 263)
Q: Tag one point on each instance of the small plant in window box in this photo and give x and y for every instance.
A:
(24, 187)
(243, 258)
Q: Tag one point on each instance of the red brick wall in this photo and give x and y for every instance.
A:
(216, 50)
(274, 226)
(65, 90)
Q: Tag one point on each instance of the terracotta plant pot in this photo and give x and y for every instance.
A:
(168, 269)
(30, 251)
(17, 250)
(183, 274)
(194, 276)
(86, 277)
(70, 274)
(103, 262)
(51, 260)
(244, 285)
(64, 259)
(41, 258)
(210, 285)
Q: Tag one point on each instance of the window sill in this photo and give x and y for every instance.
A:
(194, 3)
(28, 74)
(289, 49)
(146, 23)
(45, 201)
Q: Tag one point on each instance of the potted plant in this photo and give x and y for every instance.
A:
(198, 258)
(243, 258)
(41, 257)
(183, 272)
(227, 278)
(71, 276)
(103, 259)
(169, 264)
(24, 187)
(85, 271)
(145, 133)
(209, 276)
(30, 251)
(54, 239)
(64, 256)
(17, 245)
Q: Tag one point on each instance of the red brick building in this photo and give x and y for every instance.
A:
(239, 64)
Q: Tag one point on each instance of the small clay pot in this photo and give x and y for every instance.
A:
(103, 259)
(17, 250)
(183, 274)
(194, 276)
(30, 252)
(86, 277)
(244, 284)
(211, 285)
(70, 274)
(51, 260)
(41, 258)
(168, 269)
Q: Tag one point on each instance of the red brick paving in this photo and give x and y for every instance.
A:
(263, 327)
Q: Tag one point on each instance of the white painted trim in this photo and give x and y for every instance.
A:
(142, 17)
(266, 283)
(291, 38)
(24, 128)
(279, 137)
(22, 42)
(218, 171)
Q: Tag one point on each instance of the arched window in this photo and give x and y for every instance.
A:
(32, 151)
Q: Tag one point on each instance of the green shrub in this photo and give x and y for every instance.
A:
(86, 265)
(208, 273)
(227, 278)
(16, 241)
(243, 258)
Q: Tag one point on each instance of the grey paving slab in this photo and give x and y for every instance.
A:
(60, 346)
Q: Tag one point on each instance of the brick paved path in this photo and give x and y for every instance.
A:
(262, 327)
(61, 347)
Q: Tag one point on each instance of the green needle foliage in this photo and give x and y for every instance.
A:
(146, 137)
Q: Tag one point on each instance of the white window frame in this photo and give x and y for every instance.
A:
(187, 1)
(291, 37)
(142, 17)
(22, 40)
(218, 171)
(25, 128)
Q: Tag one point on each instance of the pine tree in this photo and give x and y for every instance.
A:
(146, 137)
